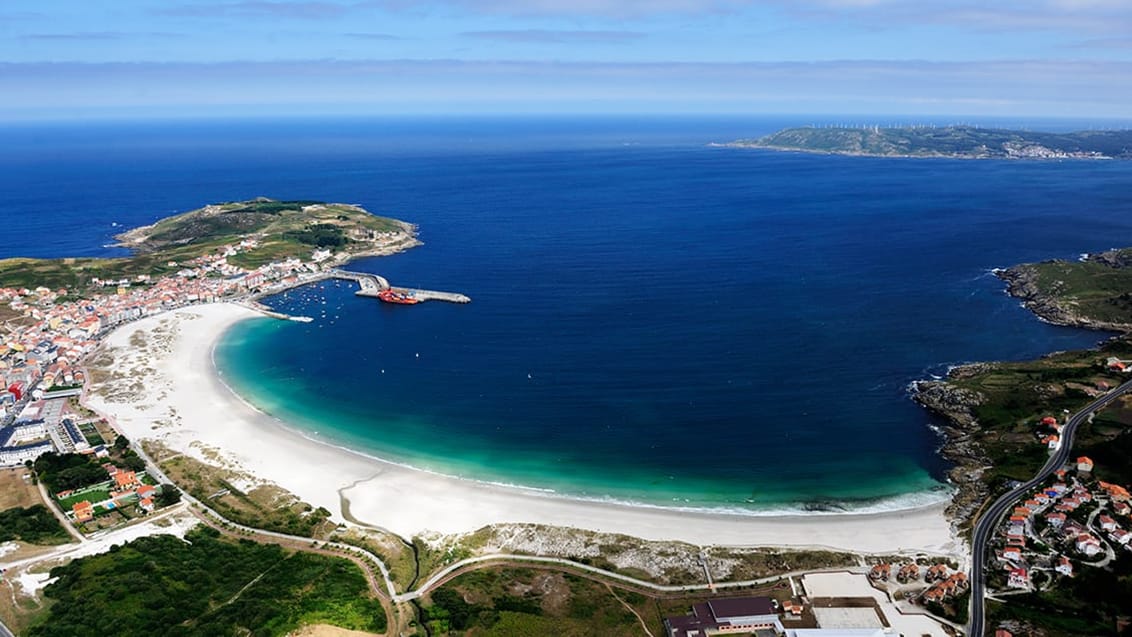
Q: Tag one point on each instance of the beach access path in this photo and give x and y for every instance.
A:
(174, 396)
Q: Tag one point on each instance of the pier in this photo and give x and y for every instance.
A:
(372, 285)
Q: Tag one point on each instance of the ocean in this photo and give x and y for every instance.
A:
(654, 319)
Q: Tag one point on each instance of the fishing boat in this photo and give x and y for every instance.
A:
(399, 296)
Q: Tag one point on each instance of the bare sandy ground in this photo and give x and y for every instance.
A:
(164, 386)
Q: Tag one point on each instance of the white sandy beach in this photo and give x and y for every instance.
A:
(174, 397)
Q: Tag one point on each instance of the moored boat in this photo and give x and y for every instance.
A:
(396, 295)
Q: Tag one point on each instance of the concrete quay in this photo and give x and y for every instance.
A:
(369, 285)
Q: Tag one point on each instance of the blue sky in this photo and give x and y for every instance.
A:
(128, 58)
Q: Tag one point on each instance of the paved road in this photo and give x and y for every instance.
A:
(4, 632)
(986, 525)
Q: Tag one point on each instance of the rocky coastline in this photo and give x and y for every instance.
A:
(957, 405)
(1050, 306)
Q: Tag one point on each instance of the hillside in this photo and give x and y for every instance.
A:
(276, 230)
(965, 142)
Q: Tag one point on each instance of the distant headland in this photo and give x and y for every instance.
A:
(244, 235)
(960, 142)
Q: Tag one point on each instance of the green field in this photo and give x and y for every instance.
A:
(206, 586)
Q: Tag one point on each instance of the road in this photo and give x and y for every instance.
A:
(987, 524)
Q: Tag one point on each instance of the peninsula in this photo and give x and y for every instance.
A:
(960, 142)
(245, 234)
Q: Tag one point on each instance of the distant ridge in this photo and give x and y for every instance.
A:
(967, 142)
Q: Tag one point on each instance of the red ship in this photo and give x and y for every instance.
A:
(394, 295)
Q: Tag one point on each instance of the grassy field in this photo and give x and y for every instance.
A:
(504, 602)
(15, 491)
(1089, 288)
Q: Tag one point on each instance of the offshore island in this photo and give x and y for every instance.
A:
(113, 408)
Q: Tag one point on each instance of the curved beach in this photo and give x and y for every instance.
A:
(160, 383)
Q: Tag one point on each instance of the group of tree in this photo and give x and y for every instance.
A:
(34, 525)
(69, 471)
(207, 585)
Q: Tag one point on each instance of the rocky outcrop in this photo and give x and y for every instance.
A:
(1049, 303)
(956, 405)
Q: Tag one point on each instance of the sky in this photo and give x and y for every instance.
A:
(156, 58)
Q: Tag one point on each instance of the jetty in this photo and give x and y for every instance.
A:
(373, 284)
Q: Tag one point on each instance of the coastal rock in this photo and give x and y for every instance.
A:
(1113, 258)
(1050, 303)
(957, 405)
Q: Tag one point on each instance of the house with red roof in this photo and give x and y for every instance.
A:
(125, 479)
(1064, 566)
(1085, 464)
(83, 511)
(1107, 523)
(1088, 544)
(1019, 578)
(1011, 553)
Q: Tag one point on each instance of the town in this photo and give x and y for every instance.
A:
(49, 332)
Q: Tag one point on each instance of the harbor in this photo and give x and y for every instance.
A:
(369, 285)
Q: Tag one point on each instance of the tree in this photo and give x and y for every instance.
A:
(121, 442)
(169, 495)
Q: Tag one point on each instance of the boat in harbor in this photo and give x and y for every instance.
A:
(399, 296)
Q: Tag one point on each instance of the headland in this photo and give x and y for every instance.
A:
(957, 142)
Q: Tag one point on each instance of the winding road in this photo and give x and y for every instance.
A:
(986, 525)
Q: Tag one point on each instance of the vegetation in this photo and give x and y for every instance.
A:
(73, 471)
(68, 471)
(1096, 290)
(518, 601)
(206, 586)
(948, 141)
(264, 507)
(34, 525)
(283, 229)
(1086, 604)
(1017, 395)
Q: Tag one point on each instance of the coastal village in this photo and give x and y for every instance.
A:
(47, 334)
(1073, 522)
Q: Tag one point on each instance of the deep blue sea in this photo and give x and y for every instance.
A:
(654, 319)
